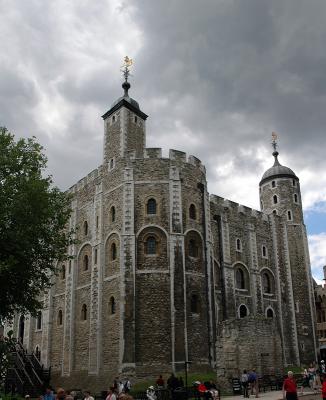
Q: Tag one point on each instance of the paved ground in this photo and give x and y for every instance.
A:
(278, 395)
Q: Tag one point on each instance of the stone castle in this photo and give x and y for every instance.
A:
(164, 272)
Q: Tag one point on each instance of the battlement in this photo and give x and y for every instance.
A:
(86, 179)
(229, 205)
(153, 152)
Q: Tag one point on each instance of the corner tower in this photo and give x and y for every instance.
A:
(124, 125)
(280, 198)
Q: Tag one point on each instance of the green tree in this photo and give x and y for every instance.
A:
(33, 219)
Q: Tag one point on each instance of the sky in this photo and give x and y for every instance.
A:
(216, 78)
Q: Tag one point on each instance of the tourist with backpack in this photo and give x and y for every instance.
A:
(244, 384)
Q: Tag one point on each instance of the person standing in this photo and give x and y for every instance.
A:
(290, 387)
(253, 380)
(87, 395)
(48, 394)
(323, 388)
(244, 383)
(160, 382)
(111, 394)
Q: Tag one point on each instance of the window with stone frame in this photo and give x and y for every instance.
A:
(84, 312)
(243, 311)
(269, 313)
(241, 278)
(112, 214)
(238, 244)
(273, 184)
(39, 320)
(193, 248)
(295, 196)
(151, 207)
(113, 251)
(85, 228)
(289, 215)
(264, 251)
(151, 245)
(275, 199)
(59, 318)
(63, 272)
(192, 212)
(85, 262)
(112, 305)
(267, 282)
(194, 304)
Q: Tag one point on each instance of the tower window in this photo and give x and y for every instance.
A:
(113, 251)
(194, 304)
(295, 198)
(111, 163)
(192, 211)
(275, 200)
(95, 256)
(39, 320)
(269, 313)
(69, 266)
(85, 262)
(293, 182)
(267, 284)
(238, 245)
(113, 118)
(136, 119)
(151, 206)
(63, 272)
(112, 212)
(240, 279)
(193, 248)
(273, 184)
(264, 251)
(151, 245)
(85, 228)
(243, 311)
(289, 215)
(84, 312)
(59, 318)
(274, 212)
(97, 221)
(112, 306)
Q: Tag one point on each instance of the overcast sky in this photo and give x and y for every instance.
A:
(215, 77)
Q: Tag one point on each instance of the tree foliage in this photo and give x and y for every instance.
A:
(33, 219)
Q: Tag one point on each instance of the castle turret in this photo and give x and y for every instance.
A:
(124, 126)
(279, 191)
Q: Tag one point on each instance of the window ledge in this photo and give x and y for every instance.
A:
(269, 294)
(38, 330)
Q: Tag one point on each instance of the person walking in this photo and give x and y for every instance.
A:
(290, 387)
(245, 383)
(253, 380)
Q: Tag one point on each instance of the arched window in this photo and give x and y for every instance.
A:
(273, 184)
(113, 118)
(85, 262)
(39, 320)
(274, 212)
(192, 211)
(85, 228)
(269, 313)
(295, 198)
(240, 278)
(111, 163)
(135, 120)
(275, 201)
(112, 306)
(151, 245)
(113, 251)
(267, 283)
(238, 245)
(293, 182)
(63, 272)
(38, 353)
(84, 312)
(264, 251)
(289, 215)
(151, 206)
(112, 212)
(60, 318)
(243, 311)
(193, 248)
(194, 304)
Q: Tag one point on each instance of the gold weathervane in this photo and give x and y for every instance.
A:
(125, 68)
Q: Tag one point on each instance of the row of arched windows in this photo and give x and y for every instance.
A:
(238, 245)
(84, 311)
(243, 311)
(112, 219)
(242, 280)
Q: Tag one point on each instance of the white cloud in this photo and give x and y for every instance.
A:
(317, 248)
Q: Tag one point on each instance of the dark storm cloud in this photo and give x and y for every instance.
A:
(215, 77)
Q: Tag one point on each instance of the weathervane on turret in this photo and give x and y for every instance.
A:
(274, 145)
(125, 69)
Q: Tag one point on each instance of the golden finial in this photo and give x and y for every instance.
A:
(125, 68)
